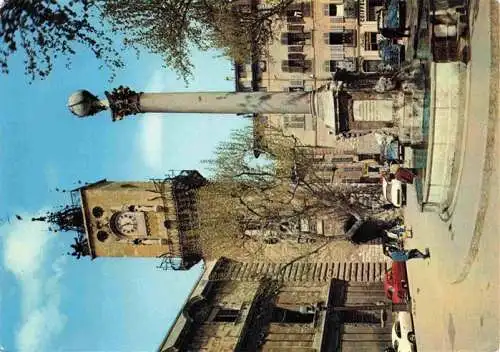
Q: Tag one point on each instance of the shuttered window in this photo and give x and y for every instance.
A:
(330, 9)
(295, 48)
(295, 38)
(296, 56)
(338, 36)
(296, 66)
(294, 121)
(295, 28)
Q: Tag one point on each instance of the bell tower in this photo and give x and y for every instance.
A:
(137, 219)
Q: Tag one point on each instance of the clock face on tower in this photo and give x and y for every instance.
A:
(128, 224)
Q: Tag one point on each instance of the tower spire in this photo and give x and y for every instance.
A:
(68, 218)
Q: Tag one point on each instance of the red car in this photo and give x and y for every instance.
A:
(396, 283)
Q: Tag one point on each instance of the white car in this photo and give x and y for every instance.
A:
(403, 335)
(393, 191)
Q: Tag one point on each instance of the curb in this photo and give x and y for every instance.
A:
(448, 207)
(430, 140)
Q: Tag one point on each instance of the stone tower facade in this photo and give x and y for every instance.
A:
(144, 219)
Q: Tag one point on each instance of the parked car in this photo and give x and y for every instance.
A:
(393, 191)
(403, 335)
(396, 283)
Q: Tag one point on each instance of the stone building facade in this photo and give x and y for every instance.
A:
(239, 306)
(315, 40)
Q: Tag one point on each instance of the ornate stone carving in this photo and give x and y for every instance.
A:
(123, 101)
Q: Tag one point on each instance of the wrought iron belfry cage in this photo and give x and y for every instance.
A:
(180, 187)
(69, 218)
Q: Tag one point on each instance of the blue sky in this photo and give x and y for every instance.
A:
(48, 300)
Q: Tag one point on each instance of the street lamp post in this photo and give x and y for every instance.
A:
(123, 101)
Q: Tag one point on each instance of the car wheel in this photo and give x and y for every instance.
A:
(411, 337)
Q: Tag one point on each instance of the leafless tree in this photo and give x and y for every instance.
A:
(270, 194)
(47, 29)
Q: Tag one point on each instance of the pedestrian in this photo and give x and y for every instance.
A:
(402, 255)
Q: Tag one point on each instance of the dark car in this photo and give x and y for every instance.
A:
(396, 283)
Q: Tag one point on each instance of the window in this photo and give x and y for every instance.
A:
(331, 65)
(296, 65)
(289, 316)
(298, 11)
(294, 121)
(294, 16)
(331, 10)
(295, 38)
(102, 236)
(226, 315)
(335, 38)
(97, 212)
(295, 28)
(341, 36)
(295, 48)
(296, 56)
(371, 41)
(373, 7)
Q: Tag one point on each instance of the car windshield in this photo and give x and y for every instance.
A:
(397, 328)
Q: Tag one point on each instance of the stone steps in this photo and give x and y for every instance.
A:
(310, 272)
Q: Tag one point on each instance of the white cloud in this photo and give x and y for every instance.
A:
(152, 144)
(40, 325)
(25, 246)
(151, 136)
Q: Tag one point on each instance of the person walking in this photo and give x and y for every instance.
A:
(402, 255)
